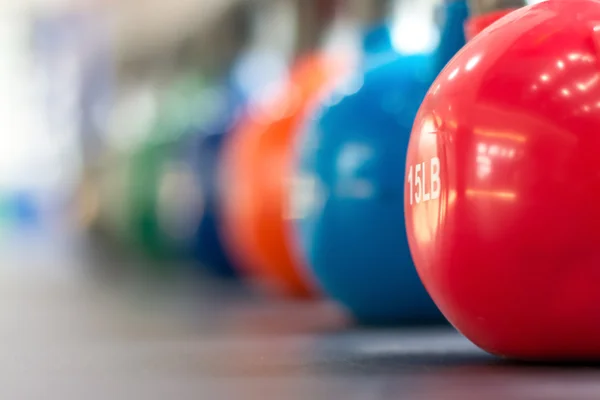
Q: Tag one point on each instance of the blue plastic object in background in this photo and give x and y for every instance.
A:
(25, 209)
(348, 192)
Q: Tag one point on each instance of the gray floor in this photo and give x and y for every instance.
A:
(72, 328)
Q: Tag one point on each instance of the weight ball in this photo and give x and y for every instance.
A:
(348, 202)
(502, 185)
(206, 147)
(256, 177)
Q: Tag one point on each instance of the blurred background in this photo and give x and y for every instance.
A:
(90, 85)
(101, 101)
(102, 185)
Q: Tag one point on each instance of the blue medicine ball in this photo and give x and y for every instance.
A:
(348, 186)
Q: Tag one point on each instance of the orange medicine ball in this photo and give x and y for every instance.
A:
(257, 174)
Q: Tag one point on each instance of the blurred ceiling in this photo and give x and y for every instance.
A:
(144, 29)
(147, 26)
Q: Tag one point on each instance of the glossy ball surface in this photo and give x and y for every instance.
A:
(348, 204)
(256, 176)
(348, 200)
(502, 185)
